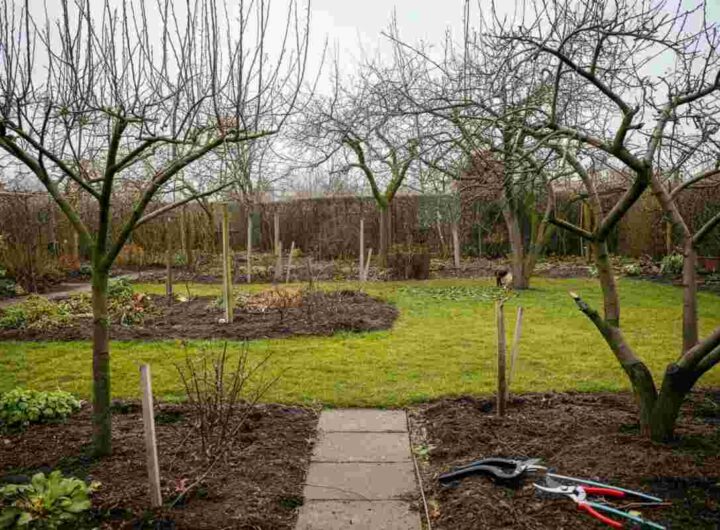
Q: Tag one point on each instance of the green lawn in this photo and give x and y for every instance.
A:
(436, 348)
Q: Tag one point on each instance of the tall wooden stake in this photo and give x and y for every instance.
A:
(456, 245)
(362, 276)
(278, 264)
(168, 263)
(366, 273)
(515, 349)
(227, 265)
(249, 248)
(501, 390)
(276, 226)
(290, 258)
(153, 468)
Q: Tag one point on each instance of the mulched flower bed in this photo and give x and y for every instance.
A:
(257, 485)
(591, 436)
(321, 313)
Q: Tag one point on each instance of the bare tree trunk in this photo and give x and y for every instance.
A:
(385, 232)
(675, 386)
(101, 363)
(520, 279)
(168, 263)
(456, 246)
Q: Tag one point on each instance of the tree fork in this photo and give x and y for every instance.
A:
(676, 384)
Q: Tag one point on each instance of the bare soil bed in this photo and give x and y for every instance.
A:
(257, 485)
(322, 313)
(593, 436)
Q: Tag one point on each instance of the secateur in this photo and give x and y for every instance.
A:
(510, 470)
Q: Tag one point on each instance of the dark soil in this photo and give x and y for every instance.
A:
(257, 485)
(322, 313)
(593, 436)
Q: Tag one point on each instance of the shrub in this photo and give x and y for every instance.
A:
(409, 262)
(51, 502)
(36, 312)
(120, 289)
(672, 264)
(21, 407)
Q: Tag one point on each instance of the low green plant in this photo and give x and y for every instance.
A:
(120, 289)
(19, 408)
(7, 284)
(35, 312)
(46, 503)
(672, 264)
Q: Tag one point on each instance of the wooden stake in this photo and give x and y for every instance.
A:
(515, 349)
(361, 268)
(227, 265)
(168, 263)
(278, 264)
(276, 225)
(249, 248)
(456, 245)
(153, 467)
(501, 390)
(367, 265)
(290, 258)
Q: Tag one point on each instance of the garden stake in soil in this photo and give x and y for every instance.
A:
(289, 263)
(501, 357)
(153, 467)
(227, 266)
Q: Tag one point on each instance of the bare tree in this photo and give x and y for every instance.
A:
(362, 124)
(144, 91)
(603, 63)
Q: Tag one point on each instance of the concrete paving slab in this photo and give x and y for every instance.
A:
(361, 447)
(359, 481)
(357, 515)
(363, 420)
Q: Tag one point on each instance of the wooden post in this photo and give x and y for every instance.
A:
(290, 258)
(184, 238)
(278, 264)
(168, 263)
(276, 226)
(456, 245)
(249, 248)
(501, 390)
(227, 265)
(153, 467)
(515, 349)
(361, 268)
(366, 273)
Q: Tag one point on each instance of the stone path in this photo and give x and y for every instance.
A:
(361, 474)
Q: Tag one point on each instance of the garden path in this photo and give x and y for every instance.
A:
(361, 473)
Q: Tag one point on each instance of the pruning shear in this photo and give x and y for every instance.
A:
(500, 468)
(579, 494)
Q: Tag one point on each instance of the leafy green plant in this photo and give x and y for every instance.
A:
(457, 293)
(46, 503)
(36, 312)
(7, 284)
(672, 264)
(19, 408)
(120, 289)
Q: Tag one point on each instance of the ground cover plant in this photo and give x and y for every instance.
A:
(436, 348)
(20, 408)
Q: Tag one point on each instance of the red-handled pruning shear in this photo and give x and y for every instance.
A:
(579, 494)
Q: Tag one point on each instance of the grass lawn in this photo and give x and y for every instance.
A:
(436, 348)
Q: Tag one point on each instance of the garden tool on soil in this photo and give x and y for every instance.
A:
(579, 494)
(500, 468)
